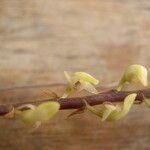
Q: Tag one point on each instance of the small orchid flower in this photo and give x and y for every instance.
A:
(110, 112)
(39, 114)
(134, 73)
(80, 81)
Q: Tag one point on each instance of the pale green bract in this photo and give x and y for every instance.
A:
(134, 73)
(80, 81)
(42, 113)
(110, 112)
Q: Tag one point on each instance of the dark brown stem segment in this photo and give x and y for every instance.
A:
(77, 102)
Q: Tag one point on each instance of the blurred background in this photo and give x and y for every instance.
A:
(39, 39)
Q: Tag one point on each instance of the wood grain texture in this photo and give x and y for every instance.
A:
(39, 39)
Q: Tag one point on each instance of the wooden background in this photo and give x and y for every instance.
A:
(39, 39)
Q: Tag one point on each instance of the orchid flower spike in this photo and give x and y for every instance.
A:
(80, 81)
(134, 73)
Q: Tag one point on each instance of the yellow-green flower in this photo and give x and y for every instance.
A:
(134, 73)
(80, 81)
(110, 112)
(42, 113)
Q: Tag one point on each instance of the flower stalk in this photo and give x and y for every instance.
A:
(77, 102)
(37, 112)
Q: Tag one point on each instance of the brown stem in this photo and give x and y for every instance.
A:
(77, 102)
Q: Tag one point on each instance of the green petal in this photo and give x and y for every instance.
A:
(70, 86)
(67, 92)
(107, 111)
(86, 77)
(93, 110)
